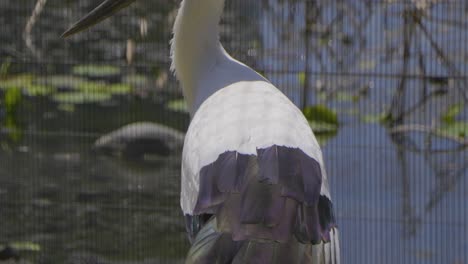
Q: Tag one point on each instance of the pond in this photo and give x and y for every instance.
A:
(399, 186)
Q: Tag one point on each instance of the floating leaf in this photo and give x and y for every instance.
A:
(95, 70)
(25, 246)
(119, 88)
(374, 118)
(18, 81)
(177, 105)
(80, 98)
(13, 98)
(322, 114)
(64, 82)
(323, 121)
(98, 72)
(454, 110)
(38, 90)
(92, 87)
(136, 80)
(455, 129)
(5, 67)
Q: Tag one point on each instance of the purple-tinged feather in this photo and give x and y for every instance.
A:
(271, 196)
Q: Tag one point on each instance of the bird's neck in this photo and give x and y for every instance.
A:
(195, 47)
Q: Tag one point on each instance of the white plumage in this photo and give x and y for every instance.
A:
(242, 117)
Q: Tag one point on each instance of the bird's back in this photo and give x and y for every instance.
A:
(254, 188)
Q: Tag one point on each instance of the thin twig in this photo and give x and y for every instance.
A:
(397, 105)
(443, 57)
(27, 36)
(309, 21)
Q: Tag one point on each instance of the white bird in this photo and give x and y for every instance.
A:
(254, 187)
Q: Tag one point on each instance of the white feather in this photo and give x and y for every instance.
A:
(336, 241)
(325, 253)
(332, 247)
(242, 117)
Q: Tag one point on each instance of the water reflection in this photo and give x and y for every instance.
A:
(73, 203)
(393, 204)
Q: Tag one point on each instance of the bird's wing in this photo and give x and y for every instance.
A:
(251, 160)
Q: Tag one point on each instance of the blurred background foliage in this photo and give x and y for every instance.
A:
(382, 83)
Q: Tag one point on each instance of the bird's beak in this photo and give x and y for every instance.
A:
(103, 11)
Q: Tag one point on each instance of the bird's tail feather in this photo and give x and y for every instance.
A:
(214, 247)
(326, 253)
(266, 208)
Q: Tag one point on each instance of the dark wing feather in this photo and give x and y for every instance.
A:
(269, 202)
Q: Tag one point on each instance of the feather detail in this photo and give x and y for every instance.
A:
(249, 118)
(213, 246)
(272, 196)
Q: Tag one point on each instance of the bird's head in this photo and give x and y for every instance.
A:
(103, 11)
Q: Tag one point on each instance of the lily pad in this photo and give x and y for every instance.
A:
(321, 113)
(25, 246)
(61, 82)
(5, 67)
(449, 116)
(375, 118)
(455, 129)
(80, 98)
(13, 98)
(322, 119)
(136, 80)
(101, 87)
(178, 105)
(18, 81)
(38, 90)
(27, 84)
(92, 87)
(119, 89)
(97, 72)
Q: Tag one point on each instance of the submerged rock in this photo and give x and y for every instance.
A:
(143, 140)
